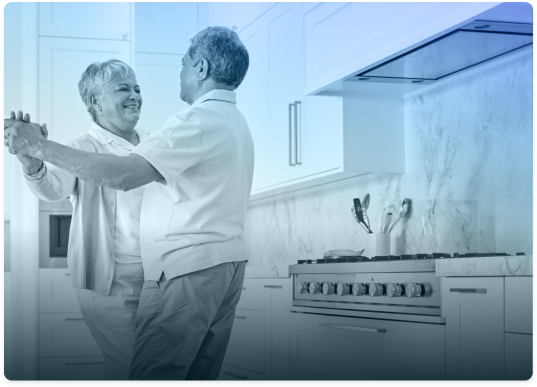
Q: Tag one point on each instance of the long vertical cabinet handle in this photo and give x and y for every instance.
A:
(298, 132)
(292, 139)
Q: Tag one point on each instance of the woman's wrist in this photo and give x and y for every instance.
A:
(30, 165)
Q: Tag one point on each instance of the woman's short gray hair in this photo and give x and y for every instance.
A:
(227, 56)
(96, 76)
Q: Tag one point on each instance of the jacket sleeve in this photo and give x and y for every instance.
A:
(56, 184)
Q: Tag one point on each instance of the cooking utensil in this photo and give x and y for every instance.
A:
(353, 210)
(406, 209)
(360, 215)
(386, 217)
(365, 206)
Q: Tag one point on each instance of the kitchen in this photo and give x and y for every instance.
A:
(459, 148)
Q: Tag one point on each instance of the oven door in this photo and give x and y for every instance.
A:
(53, 238)
(325, 347)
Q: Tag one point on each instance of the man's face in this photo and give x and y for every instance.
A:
(188, 80)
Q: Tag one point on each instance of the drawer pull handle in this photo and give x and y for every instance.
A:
(243, 288)
(464, 290)
(273, 286)
(353, 328)
(67, 274)
(240, 317)
(235, 376)
(74, 318)
(86, 363)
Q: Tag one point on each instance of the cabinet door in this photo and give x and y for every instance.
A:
(65, 335)
(71, 368)
(343, 38)
(86, 20)
(253, 99)
(519, 305)
(474, 312)
(277, 297)
(286, 84)
(56, 292)
(249, 12)
(61, 63)
(158, 77)
(164, 28)
(518, 356)
(346, 348)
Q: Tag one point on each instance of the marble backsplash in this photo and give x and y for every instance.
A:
(469, 173)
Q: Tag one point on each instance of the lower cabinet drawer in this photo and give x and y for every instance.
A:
(229, 372)
(65, 334)
(519, 304)
(247, 344)
(71, 368)
(346, 348)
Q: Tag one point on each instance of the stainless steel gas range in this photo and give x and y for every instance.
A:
(369, 319)
(402, 287)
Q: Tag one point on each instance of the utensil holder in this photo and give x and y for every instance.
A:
(377, 244)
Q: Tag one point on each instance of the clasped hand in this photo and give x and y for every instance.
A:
(21, 136)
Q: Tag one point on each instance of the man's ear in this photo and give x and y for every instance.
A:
(202, 69)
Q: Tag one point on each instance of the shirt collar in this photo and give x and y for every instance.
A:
(105, 137)
(217, 94)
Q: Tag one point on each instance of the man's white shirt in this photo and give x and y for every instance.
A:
(193, 218)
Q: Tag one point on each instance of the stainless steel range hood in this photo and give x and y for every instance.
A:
(465, 47)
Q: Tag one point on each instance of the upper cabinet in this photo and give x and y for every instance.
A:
(344, 38)
(164, 28)
(302, 141)
(249, 12)
(86, 20)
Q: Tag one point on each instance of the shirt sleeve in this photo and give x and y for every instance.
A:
(174, 148)
(56, 184)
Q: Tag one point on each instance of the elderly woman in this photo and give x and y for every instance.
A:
(104, 248)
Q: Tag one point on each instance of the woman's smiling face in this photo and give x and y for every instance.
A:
(121, 102)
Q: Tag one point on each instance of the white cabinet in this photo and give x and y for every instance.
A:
(67, 368)
(67, 350)
(303, 141)
(474, 312)
(249, 12)
(61, 63)
(518, 356)
(346, 348)
(344, 38)
(519, 305)
(259, 345)
(86, 20)
(56, 292)
(164, 28)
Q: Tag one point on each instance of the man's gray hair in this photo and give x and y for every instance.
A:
(96, 76)
(227, 56)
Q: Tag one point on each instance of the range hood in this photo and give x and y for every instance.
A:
(465, 47)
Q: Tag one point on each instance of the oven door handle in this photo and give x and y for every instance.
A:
(352, 328)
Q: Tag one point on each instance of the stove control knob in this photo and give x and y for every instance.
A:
(343, 289)
(314, 287)
(328, 288)
(413, 290)
(359, 289)
(427, 290)
(376, 289)
(394, 290)
(303, 287)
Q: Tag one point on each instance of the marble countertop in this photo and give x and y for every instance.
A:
(276, 271)
(485, 267)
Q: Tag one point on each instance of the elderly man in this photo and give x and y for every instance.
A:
(198, 170)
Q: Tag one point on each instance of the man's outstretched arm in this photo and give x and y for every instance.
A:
(121, 173)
